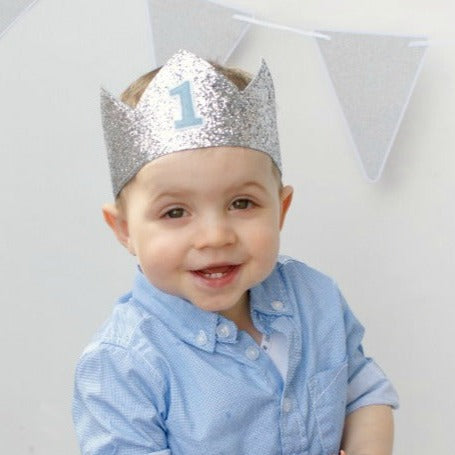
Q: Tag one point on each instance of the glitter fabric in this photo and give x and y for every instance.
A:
(188, 89)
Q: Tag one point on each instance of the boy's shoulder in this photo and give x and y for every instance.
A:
(122, 326)
(304, 288)
(294, 272)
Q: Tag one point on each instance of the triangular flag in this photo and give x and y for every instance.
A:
(10, 10)
(373, 77)
(200, 26)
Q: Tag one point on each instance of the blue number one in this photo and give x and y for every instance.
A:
(188, 116)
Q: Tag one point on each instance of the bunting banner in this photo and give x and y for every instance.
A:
(10, 11)
(205, 28)
(373, 77)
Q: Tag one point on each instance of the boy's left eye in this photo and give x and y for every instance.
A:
(242, 204)
(175, 213)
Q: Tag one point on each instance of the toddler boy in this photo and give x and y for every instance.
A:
(221, 347)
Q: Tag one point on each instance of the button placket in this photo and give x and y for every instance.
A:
(287, 404)
(201, 338)
(252, 352)
(277, 305)
(223, 330)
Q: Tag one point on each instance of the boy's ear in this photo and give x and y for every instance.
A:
(118, 223)
(285, 199)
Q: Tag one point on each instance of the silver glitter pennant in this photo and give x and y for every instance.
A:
(374, 77)
(203, 27)
(11, 10)
(188, 105)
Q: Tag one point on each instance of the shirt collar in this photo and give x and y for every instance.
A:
(201, 328)
(270, 296)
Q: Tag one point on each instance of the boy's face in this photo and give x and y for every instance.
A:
(204, 224)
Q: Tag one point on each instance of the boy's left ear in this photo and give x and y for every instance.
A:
(285, 200)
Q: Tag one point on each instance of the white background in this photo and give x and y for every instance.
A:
(390, 245)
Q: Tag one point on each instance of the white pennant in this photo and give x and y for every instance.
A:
(205, 28)
(10, 10)
(373, 77)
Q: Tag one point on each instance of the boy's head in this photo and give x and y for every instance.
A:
(204, 220)
(134, 92)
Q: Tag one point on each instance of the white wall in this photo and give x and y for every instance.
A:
(390, 245)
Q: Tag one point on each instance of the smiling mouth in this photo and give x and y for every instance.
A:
(217, 275)
(216, 272)
(214, 275)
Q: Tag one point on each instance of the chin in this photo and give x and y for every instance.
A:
(215, 305)
(211, 306)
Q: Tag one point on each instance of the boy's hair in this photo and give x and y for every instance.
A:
(133, 93)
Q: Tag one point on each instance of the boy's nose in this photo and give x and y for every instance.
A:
(214, 233)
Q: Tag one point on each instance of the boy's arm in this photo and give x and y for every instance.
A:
(118, 404)
(368, 431)
(368, 427)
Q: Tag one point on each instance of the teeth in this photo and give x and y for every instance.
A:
(214, 275)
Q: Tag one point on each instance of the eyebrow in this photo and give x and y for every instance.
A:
(251, 183)
(171, 193)
(177, 193)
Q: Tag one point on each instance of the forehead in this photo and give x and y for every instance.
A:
(215, 166)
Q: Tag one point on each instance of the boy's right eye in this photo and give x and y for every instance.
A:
(175, 213)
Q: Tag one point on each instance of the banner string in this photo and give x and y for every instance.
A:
(251, 20)
(312, 34)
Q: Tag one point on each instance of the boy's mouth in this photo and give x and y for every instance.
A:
(216, 271)
(216, 276)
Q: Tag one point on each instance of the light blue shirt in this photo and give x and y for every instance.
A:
(164, 377)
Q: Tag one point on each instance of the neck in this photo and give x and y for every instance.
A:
(240, 315)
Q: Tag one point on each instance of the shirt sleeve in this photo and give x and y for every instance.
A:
(118, 404)
(367, 383)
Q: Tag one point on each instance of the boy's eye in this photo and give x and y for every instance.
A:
(242, 204)
(175, 213)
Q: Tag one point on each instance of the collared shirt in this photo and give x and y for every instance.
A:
(164, 377)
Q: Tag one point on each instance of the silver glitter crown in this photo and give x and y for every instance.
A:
(188, 105)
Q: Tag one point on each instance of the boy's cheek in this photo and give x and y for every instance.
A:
(265, 234)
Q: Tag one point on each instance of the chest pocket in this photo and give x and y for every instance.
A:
(328, 391)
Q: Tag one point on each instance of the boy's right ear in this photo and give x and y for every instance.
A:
(118, 223)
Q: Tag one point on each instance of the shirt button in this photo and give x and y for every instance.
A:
(287, 404)
(277, 305)
(252, 352)
(223, 330)
(201, 338)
